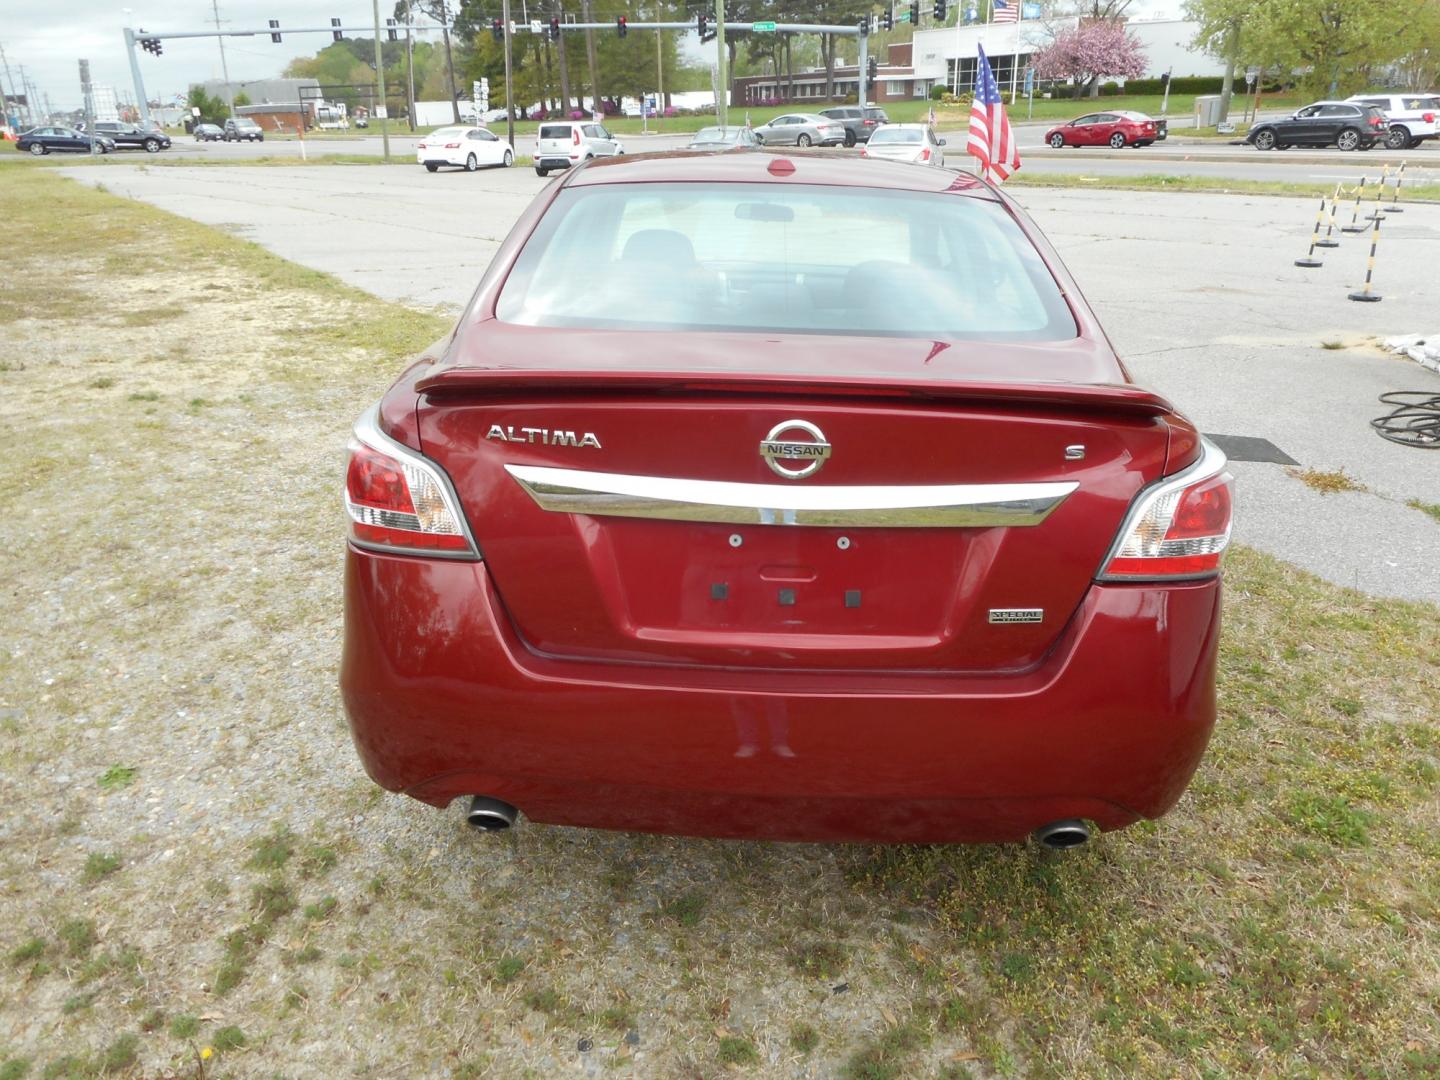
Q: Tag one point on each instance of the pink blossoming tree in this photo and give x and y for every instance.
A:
(1091, 50)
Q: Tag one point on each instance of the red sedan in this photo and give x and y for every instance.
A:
(764, 495)
(1115, 129)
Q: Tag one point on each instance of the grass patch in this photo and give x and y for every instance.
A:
(229, 1037)
(184, 1026)
(508, 969)
(78, 936)
(119, 1055)
(886, 1057)
(804, 1038)
(32, 949)
(818, 959)
(737, 1051)
(686, 910)
(1189, 184)
(99, 865)
(14, 1068)
(1433, 509)
(273, 851)
(118, 776)
(1327, 483)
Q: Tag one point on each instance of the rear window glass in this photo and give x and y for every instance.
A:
(895, 135)
(760, 257)
(554, 131)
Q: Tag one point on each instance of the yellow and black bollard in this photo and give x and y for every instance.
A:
(1309, 259)
(1328, 241)
(1364, 294)
(1354, 227)
(1379, 193)
(1399, 178)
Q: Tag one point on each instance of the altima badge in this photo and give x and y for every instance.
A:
(809, 453)
(1017, 614)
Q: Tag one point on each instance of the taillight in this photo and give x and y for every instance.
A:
(400, 501)
(1428, 117)
(864, 151)
(925, 154)
(575, 136)
(1178, 527)
(452, 146)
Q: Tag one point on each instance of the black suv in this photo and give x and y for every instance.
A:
(132, 137)
(1346, 124)
(243, 128)
(859, 123)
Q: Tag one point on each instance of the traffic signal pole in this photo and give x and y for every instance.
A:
(379, 84)
(864, 70)
(135, 74)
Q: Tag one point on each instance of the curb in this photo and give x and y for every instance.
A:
(1362, 158)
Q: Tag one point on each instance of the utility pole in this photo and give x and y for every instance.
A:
(224, 68)
(722, 94)
(509, 82)
(380, 83)
(410, 64)
(659, 73)
(449, 61)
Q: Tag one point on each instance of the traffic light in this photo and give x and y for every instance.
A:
(554, 28)
(275, 31)
(939, 12)
(497, 29)
(622, 27)
(390, 31)
(887, 20)
(702, 23)
(336, 34)
(864, 26)
(1164, 79)
(149, 44)
(915, 14)
(872, 69)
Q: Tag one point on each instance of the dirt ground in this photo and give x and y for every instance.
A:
(196, 878)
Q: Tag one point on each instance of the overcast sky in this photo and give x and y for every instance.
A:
(49, 36)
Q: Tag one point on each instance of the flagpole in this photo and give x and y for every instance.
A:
(1015, 53)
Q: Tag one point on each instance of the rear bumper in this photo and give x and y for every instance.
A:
(444, 700)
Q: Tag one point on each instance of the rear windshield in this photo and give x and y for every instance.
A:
(802, 258)
(875, 114)
(246, 123)
(895, 135)
(554, 131)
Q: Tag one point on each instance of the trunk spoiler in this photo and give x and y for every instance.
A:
(1085, 397)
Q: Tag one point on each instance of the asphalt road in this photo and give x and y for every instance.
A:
(1210, 158)
(1198, 292)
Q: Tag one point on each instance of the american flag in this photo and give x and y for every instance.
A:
(990, 137)
(1007, 12)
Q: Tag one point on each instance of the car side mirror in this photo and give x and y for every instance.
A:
(941, 142)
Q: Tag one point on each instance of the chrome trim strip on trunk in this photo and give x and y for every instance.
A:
(575, 491)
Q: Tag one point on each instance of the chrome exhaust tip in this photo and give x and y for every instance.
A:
(490, 815)
(1059, 835)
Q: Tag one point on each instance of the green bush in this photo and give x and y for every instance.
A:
(937, 92)
(1187, 84)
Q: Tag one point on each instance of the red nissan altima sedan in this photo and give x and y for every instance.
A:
(1114, 129)
(779, 496)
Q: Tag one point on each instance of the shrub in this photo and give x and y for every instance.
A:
(937, 93)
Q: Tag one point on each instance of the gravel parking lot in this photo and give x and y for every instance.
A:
(1198, 292)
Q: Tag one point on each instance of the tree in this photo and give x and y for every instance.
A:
(242, 98)
(212, 109)
(1090, 51)
(1333, 45)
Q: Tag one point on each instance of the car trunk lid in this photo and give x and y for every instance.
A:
(637, 516)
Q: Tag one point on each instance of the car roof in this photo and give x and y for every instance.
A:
(884, 127)
(830, 168)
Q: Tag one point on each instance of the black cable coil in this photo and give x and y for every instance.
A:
(1415, 420)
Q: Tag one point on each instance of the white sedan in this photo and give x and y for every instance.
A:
(466, 147)
(905, 142)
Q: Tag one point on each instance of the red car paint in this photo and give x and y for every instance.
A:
(1101, 129)
(629, 673)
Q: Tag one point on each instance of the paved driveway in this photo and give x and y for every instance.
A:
(1197, 291)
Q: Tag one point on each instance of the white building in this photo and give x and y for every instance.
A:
(949, 55)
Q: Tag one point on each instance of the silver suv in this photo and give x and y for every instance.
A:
(560, 144)
(1413, 118)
